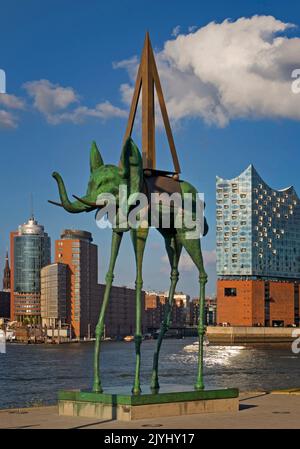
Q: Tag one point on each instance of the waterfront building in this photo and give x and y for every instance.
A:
(76, 250)
(210, 312)
(155, 309)
(55, 295)
(6, 275)
(181, 299)
(258, 252)
(4, 304)
(30, 251)
(121, 311)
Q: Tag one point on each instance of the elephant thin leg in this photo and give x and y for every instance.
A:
(193, 248)
(115, 246)
(139, 237)
(173, 250)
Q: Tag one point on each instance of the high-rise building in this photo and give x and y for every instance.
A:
(258, 252)
(30, 251)
(6, 275)
(75, 249)
(55, 294)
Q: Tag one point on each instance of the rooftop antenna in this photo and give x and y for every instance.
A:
(31, 207)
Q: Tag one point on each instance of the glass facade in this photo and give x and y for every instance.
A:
(257, 228)
(54, 293)
(31, 253)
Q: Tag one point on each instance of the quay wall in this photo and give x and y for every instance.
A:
(247, 334)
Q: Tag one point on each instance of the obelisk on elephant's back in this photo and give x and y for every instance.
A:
(147, 81)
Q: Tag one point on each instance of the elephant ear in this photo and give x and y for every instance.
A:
(131, 166)
(95, 158)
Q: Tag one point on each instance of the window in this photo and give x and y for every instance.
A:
(230, 291)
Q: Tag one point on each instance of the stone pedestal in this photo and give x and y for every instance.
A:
(120, 404)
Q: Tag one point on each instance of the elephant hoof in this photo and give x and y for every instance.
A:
(97, 388)
(154, 386)
(136, 390)
(155, 390)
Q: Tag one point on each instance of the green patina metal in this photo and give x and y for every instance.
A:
(108, 179)
(147, 399)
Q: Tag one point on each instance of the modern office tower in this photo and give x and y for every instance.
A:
(6, 275)
(55, 291)
(30, 251)
(75, 249)
(258, 252)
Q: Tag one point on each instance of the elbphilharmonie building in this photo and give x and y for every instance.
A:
(258, 251)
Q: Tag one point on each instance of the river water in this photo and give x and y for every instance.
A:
(32, 374)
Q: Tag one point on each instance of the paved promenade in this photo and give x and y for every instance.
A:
(257, 410)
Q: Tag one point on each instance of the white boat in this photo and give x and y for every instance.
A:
(10, 335)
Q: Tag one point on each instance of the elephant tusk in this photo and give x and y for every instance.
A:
(88, 203)
(55, 204)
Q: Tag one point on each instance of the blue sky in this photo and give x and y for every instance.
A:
(76, 45)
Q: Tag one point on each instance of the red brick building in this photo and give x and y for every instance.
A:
(258, 302)
(76, 250)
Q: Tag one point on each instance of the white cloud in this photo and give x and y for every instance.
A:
(175, 31)
(57, 103)
(102, 111)
(186, 263)
(11, 101)
(7, 119)
(228, 70)
(209, 257)
(49, 97)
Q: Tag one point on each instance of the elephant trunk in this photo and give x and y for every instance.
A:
(75, 206)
